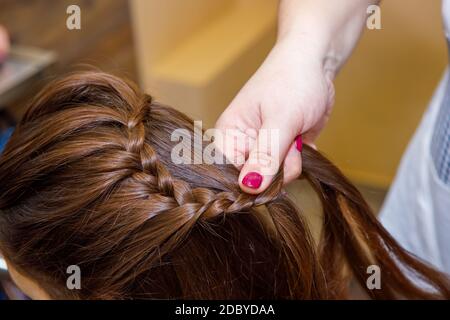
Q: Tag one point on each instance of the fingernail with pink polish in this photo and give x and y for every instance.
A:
(252, 180)
(299, 143)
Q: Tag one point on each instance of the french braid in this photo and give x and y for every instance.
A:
(87, 179)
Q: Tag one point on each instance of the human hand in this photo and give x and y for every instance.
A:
(4, 43)
(290, 95)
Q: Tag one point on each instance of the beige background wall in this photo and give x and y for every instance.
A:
(198, 67)
(196, 55)
(384, 89)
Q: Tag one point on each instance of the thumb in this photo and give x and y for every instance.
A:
(266, 156)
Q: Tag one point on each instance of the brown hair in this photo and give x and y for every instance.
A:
(87, 180)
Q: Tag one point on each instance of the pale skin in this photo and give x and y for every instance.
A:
(293, 89)
(4, 44)
(28, 286)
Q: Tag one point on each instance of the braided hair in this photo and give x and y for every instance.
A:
(88, 180)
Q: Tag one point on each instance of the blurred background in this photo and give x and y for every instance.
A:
(196, 55)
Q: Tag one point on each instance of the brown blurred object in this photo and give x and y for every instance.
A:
(104, 41)
(23, 67)
(6, 120)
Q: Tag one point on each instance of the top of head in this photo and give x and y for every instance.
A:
(92, 159)
(87, 179)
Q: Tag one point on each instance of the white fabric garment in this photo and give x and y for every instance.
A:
(417, 209)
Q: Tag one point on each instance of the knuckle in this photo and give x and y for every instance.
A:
(268, 163)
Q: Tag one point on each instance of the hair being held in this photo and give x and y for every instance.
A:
(87, 180)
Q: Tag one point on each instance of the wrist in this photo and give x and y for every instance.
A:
(325, 29)
(314, 46)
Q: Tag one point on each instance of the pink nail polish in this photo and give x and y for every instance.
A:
(299, 143)
(252, 180)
